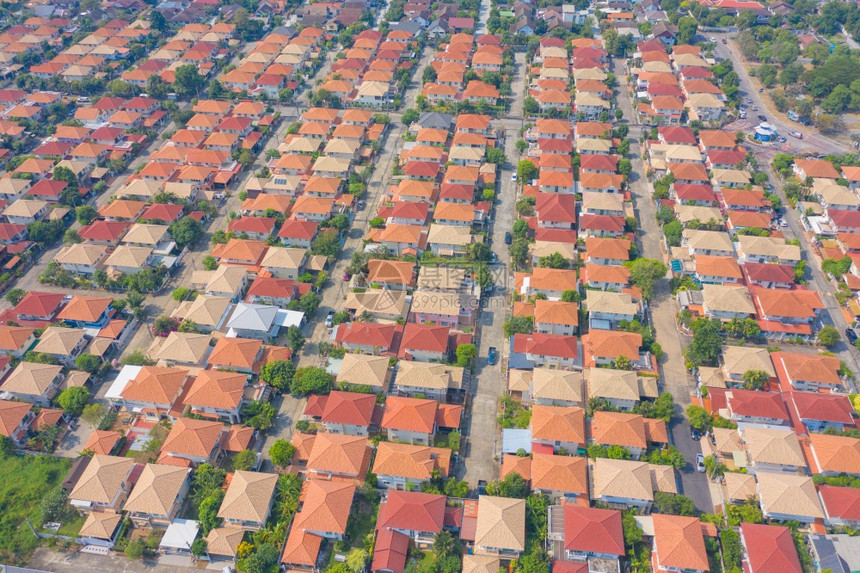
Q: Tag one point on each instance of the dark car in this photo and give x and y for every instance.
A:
(852, 336)
(762, 117)
(508, 238)
(482, 486)
(492, 357)
(694, 434)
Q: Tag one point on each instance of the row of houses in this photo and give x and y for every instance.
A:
(457, 57)
(556, 75)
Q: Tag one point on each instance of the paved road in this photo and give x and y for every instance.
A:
(489, 381)
(812, 142)
(675, 377)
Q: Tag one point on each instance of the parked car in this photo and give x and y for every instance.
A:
(361, 205)
(508, 238)
(782, 139)
(712, 40)
(852, 336)
(724, 41)
(346, 277)
(492, 356)
(762, 117)
(694, 434)
(329, 319)
(783, 223)
(514, 177)
(796, 134)
(700, 463)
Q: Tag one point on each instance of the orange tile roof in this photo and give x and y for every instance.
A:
(192, 437)
(556, 423)
(618, 429)
(413, 462)
(84, 308)
(216, 389)
(101, 442)
(409, 414)
(156, 385)
(679, 542)
(339, 454)
(235, 352)
(13, 337)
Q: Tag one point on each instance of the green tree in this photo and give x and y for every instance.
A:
(278, 374)
(443, 543)
(244, 460)
(15, 295)
(281, 453)
(530, 106)
(207, 512)
(264, 559)
(187, 81)
(526, 170)
(687, 28)
(71, 236)
(554, 261)
(356, 560)
(86, 214)
(496, 155)
(93, 413)
(707, 343)
(311, 380)
(644, 273)
(135, 549)
(755, 379)
(88, 362)
(72, 400)
(673, 504)
(410, 116)
(513, 485)
(295, 338)
(519, 325)
(258, 414)
(209, 263)
(699, 418)
(828, 335)
(53, 504)
(466, 353)
(199, 546)
(186, 232)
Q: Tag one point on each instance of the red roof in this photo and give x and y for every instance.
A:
(755, 403)
(270, 287)
(390, 550)
(456, 191)
(412, 511)
(841, 218)
(298, 229)
(592, 530)
(349, 408)
(546, 345)
(260, 225)
(594, 222)
(103, 231)
(421, 169)
(841, 502)
(556, 207)
(556, 235)
(697, 72)
(39, 304)
(598, 162)
(162, 212)
(425, 337)
(726, 156)
(770, 548)
(768, 273)
(823, 407)
(694, 192)
(559, 145)
(9, 231)
(366, 334)
(49, 188)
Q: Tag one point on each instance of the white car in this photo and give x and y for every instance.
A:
(700, 463)
(783, 223)
(712, 40)
(514, 177)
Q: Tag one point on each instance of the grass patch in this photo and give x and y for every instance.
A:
(23, 482)
(72, 524)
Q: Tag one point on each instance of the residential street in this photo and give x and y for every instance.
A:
(676, 379)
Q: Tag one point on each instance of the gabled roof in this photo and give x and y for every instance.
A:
(38, 304)
(412, 511)
(824, 407)
(593, 530)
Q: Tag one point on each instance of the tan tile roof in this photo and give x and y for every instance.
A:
(155, 385)
(413, 462)
(156, 489)
(788, 495)
(613, 384)
(59, 341)
(100, 524)
(663, 478)
(31, 378)
(361, 369)
(555, 423)
(224, 541)
(621, 479)
(102, 478)
(181, 347)
(480, 564)
(249, 496)
(204, 310)
(739, 359)
(101, 442)
(552, 384)
(192, 437)
(772, 446)
(501, 523)
(340, 454)
(679, 542)
(216, 389)
(429, 375)
(739, 486)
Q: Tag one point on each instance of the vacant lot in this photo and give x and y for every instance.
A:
(24, 480)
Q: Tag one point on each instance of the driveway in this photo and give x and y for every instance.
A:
(49, 560)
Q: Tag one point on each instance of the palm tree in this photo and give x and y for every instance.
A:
(443, 543)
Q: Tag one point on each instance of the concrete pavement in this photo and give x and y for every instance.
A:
(675, 378)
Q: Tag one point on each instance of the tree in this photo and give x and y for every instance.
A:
(521, 145)
(519, 325)
(526, 170)
(311, 380)
(72, 400)
(209, 263)
(356, 560)
(93, 413)
(410, 116)
(496, 155)
(187, 81)
(278, 374)
(15, 295)
(699, 418)
(53, 504)
(186, 232)
(88, 362)
(570, 296)
(443, 543)
(466, 353)
(673, 504)
(71, 236)
(258, 414)
(513, 485)
(687, 28)
(244, 460)
(377, 223)
(207, 512)
(281, 452)
(553, 261)
(530, 106)
(86, 214)
(199, 546)
(644, 273)
(755, 379)
(707, 342)
(264, 559)
(156, 87)
(157, 21)
(135, 549)
(164, 325)
(296, 338)
(828, 335)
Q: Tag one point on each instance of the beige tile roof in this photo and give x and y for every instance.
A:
(611, 302)
(501, 523)
(429, 375)
(145, 234)
(779, 447)
(204, 310)
(360, 369)
(156, 489)
(727, 441)
(249, 496)
(519, 380)
(192, 437)
(102, 478)
(128, 256)
(739, 486)
(31, 378)
(739, 359)
(663, 478)
(59, 341)
(788, 495)
(440, 278)
(226, 279)
(621, 479)
(224, 541)
(727, 298)
(24, 208)
(284, 257)
(80, 254)
(613, 384)
(480, 564)
(100, 525)
(552, 384)
(180, 347)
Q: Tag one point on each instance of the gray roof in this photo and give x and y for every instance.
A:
(413, 28)
(835, 553)
(248, 316)
(516, 439)
(435, 120)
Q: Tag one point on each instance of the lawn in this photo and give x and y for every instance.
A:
(24, 480)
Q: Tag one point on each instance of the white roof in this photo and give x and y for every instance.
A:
(180, 534)
(126, 375)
